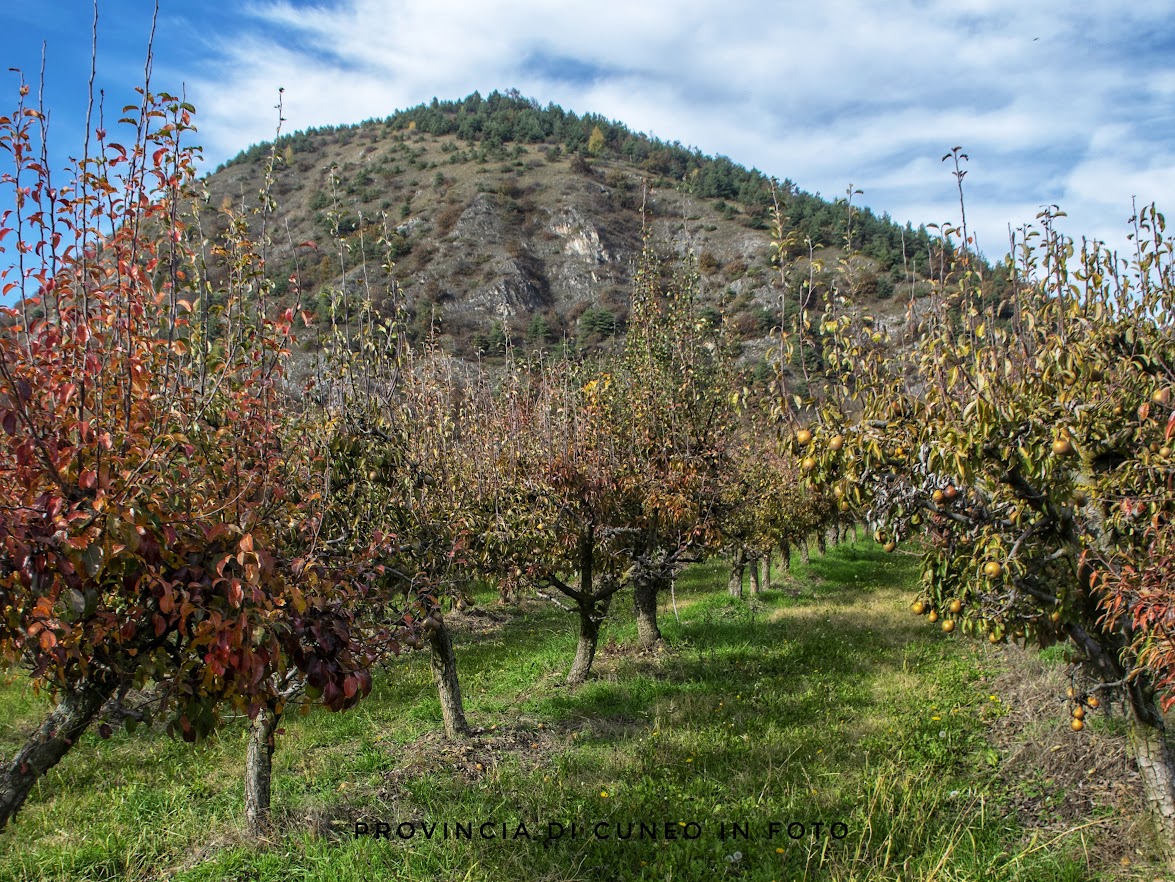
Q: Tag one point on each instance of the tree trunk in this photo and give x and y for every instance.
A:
(737, 565)
(45, 748)
(1148, 742)
(259, 771)
(443, 661)
(785, 553)
(755, 586)
(805, 552)
(765, 577)
(822, 542)
(646, 587)
(589, 635)
(1156, 765)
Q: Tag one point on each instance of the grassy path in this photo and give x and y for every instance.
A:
(823, 705)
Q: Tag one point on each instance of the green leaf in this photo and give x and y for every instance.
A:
(76, 601)
(92, 560)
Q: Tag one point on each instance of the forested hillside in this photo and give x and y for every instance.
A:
(505, 221)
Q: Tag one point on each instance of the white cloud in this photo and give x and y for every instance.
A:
(1052, 105)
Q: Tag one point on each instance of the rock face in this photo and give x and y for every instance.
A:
(510, 294)
(580, 235)
(481, 221)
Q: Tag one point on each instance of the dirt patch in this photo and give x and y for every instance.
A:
(479, 620)
(1062, 783)
(476, 756)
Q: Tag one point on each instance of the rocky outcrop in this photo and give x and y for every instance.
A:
(580, 236)
(482, 221)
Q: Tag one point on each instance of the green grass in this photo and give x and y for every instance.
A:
(821, 701)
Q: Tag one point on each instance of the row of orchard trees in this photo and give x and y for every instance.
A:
(160, 514)
(175, 520)
(1029, 443)
(187, 534)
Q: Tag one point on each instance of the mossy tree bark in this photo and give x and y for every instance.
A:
(590, 619)
(259, 771)
(443, 661)
(737, 568)
(59, 732)
(646, 587)
(1156, 763)
(1149, 745)
(785, 553)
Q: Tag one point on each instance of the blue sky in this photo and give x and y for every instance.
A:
(1062, 101)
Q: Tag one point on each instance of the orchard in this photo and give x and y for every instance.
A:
(186, 527)
(1025, 438)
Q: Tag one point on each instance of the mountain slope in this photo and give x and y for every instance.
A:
(503, 220)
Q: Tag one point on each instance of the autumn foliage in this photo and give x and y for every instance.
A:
(157, 513)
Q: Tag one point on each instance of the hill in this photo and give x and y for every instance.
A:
(503, 220)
